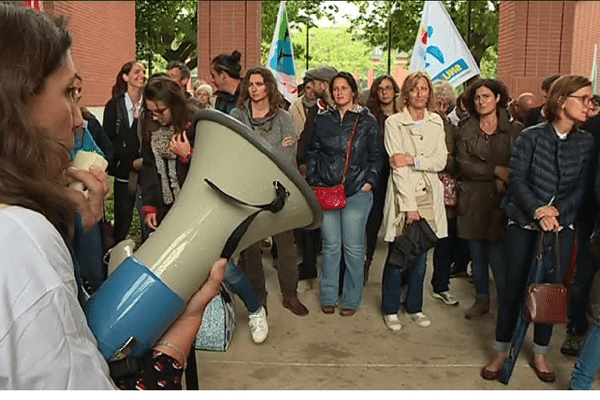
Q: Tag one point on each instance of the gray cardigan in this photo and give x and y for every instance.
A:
(273, 128)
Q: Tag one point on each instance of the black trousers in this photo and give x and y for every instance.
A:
(124, 203)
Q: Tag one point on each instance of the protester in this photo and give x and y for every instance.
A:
(225, 70)
(483, 150)
(534, 116)
(548, 168)
(451, 249)
(181, 75)
(204, 93)
(260, 108)
(519, 107)
(120, 123)
(325, 164)
(309, 240)
(382, 104)
(415, 138)
(45, 341)
(299, 108)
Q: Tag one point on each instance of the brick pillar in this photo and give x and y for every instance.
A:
(535, 40)
(225, 26)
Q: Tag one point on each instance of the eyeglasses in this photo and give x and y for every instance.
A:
(383, 89)
(158, 112)
(585, 100)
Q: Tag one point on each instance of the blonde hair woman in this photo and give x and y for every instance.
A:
(415, 138)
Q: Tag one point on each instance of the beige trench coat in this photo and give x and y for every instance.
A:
(406, 182)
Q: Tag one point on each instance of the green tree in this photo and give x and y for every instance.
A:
(325, 50)
(372, 23)
(167, 31)
(300, 13)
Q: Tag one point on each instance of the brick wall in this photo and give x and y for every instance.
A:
(542, 38)
(225, 26)
(103, 40)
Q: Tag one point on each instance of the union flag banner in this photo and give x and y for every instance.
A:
(281, 57)
(34, 4)
(440, 49)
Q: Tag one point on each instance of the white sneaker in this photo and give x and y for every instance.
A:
(259, 328)
(392, 322)
(446, 297)
(421, 319)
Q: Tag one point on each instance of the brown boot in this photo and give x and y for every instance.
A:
(295, 306)
(478, 309)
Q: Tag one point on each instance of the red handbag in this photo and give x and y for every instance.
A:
(546, 303)
(334, 197)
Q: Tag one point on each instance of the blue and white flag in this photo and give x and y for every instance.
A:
(440, 49)
(281, 57)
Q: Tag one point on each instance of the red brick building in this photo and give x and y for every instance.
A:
(225, 26)
(542, 38)
(103, 40)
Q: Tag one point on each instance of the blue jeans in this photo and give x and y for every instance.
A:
(240, 285)
(391, 287)
(588, 362)
(345, 228)
(484, 253)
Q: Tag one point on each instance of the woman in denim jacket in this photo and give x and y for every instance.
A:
(325, 162)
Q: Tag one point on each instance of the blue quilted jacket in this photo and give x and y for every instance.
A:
(542, 168)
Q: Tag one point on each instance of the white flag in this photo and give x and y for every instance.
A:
(440, 49)
(281, 57)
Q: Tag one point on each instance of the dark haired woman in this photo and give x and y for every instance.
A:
(484, 144)
(225, 71)
(548, 169)
(260, 107)
(382, 104)
(120, 123)
(166, 150)
(45, 342)
(344, 229)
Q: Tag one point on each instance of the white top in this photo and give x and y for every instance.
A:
(45, 342)
(129, 107)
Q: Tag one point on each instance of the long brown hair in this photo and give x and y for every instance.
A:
(373, 100)
(31, 162)
(275, 97)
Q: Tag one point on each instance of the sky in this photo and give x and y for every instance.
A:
(344, 8)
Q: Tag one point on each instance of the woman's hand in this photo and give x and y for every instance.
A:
(546, 211)
(549, 224)
(367, 187)
(195, 307)
(500, 186)
(412, 216)
(180, 145)
(501, 172)
(137, 164)
(398, 160)
(90, 206)
(150, 221)
(287, 142)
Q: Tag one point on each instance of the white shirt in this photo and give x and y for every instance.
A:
(129, 107)
(45, 342)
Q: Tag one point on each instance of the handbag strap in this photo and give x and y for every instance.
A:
(540, 257)
(349, 150)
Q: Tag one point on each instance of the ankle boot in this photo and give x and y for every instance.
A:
(478, 309)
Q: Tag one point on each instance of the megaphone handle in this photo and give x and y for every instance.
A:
(236, 235)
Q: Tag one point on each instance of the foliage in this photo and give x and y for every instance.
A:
(300, 13)
(372, 23)
(166, 30)
(325, 50)
(489, 62)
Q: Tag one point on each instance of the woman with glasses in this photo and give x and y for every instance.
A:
(548, 169)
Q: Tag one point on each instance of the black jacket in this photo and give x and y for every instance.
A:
(124, 137)
(543, 167)
(326, 156)
(225, 102)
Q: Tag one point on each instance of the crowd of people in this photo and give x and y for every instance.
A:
(488, 172)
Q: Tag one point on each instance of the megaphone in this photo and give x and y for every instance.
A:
(148, 291)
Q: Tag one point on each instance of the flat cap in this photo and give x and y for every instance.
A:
(321, 74)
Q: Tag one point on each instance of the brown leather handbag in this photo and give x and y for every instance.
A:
(334, 197)
(546, 303)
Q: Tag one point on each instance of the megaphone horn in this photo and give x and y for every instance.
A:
(147, 292)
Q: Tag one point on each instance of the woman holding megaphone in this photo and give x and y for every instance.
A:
(45, 342)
